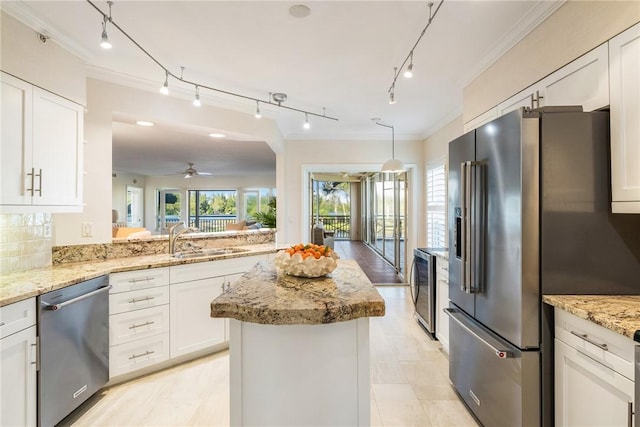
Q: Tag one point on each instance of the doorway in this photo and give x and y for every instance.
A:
(135, 206)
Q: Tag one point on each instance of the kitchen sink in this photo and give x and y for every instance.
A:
(209, 252)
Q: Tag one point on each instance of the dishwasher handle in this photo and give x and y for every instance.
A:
(55, 307)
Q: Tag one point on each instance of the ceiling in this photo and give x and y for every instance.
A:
(339, 58)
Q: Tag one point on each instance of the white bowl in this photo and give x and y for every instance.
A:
(294, 265)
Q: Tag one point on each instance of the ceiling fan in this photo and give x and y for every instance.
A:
(191, 171)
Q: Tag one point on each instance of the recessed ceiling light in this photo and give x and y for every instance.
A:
(217, 135)
(299, 11)
(143, 123)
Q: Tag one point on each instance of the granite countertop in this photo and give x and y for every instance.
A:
(26, 284)
(264, 295)
(619, 313)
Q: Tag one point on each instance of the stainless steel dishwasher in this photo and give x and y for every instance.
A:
(73, 329)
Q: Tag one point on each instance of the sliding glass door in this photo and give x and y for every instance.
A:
(385, 205)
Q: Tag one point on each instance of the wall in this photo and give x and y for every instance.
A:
(46, 65)
(301, 157)
(574, 29)
(119, 183)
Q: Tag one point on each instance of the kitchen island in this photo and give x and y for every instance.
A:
(299, 348)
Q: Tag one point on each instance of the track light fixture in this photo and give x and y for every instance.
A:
(408, 73)
(105, 43)
(258, 115)
(196, 100)
(165, 87)
(306, 125)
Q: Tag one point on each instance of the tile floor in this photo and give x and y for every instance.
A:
(409, 384)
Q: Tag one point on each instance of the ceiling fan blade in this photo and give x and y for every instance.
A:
(204, 173)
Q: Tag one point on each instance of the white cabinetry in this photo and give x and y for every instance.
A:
(483, 118)
(18, 355)
(40, 149)
(193, 287)
(138, 320)
(624, 55)
(442, 302)
(594, 374)
(584, 82)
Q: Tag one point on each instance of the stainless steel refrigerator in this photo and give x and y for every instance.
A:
(528, 214)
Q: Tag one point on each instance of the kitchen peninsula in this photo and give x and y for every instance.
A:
(299, 348)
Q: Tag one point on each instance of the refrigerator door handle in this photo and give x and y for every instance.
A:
(466, 194)
(501, 353)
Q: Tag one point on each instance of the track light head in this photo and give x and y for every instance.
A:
(105, 43)
(306, 125)
(165, 87)
(392, 97)
(258, 114)
(196, 100)
(409, 71)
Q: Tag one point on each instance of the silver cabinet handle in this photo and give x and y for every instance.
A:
(538, 98)
(143, 279)
(630, 414)
(32, 175)
(533, 100)
(590, 340)
(500, 352)
(39, 190)
(146, 353)
(141, 325)
(135, 300)
(55, 307)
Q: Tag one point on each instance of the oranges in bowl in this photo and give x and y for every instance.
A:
(307, 260)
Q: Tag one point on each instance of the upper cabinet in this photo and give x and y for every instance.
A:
(40, 149)
(584, 82)
(624, 75)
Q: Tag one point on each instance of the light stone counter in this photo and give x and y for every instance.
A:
(299, 348)
(618, 313)
(264, 296)
(26, 284)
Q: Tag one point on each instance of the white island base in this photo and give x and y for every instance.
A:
(300, 375)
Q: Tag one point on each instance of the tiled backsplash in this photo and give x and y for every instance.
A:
(25, 241)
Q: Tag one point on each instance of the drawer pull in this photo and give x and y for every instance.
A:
(141, 325)
(143, 279)
(135, 300)
(146, 353)
(590, 341)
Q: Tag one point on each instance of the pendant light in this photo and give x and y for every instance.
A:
(392, 165)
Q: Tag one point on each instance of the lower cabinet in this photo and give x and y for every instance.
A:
(18, 397)
(594, 380)
(442, 302)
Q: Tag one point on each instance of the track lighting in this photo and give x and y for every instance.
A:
(258, 115)
(409, 71)
(196, 101)
(105, 43)
(306, 125)
(165, 87)
(278, 100)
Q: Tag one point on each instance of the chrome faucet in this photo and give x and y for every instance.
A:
(176, 231)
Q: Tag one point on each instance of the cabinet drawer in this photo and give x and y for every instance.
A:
(140, 299)
(17, 316)
(138, 354)
(139, 279)
(619, 352)
(223, 267)
(126, 327)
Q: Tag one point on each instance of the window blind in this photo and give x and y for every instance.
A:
(436, 206)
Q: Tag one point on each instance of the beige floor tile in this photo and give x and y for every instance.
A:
(390, 393)
(375, 420)
(387, 371)
(448, 413)
(403, 414)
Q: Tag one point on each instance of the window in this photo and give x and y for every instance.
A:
(211, 210)
(436, 206)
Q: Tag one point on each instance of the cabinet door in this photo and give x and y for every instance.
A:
(18, 379)
(624, 74)
(584, 82)
(192, 327)
(588, 393)
(15, 140)
(57, 150)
